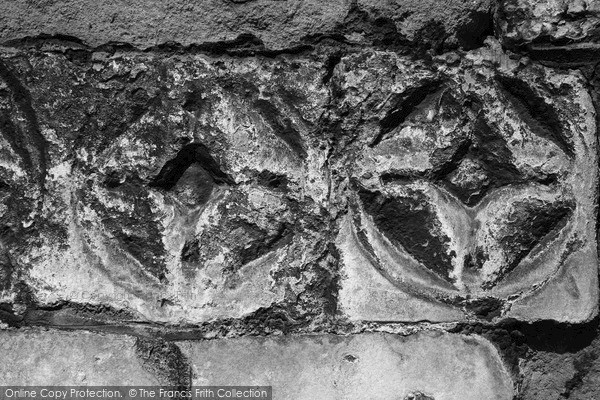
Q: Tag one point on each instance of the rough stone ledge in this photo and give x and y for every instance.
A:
(276, 25)
(556, 22)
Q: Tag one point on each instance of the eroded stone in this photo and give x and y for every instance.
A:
(434, 24)
(375, 366)
(564, 33)
(553, 22)
(472, 184)
(259, 24)
(561, 368)
(277, 25)
(180, 188)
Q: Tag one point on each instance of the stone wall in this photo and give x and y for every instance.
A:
(354, 199)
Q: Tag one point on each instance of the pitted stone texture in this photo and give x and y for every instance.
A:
(436, 24)
(556, 22)
(278, 24)
(181, 188)
(565, 370)
(470, 185)
(68, 358)
(563, 33)
(366, 366)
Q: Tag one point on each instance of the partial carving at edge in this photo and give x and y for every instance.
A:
(537, 114)
(29, 144)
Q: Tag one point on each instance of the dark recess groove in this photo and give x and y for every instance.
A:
(189, 154)
(404, 104)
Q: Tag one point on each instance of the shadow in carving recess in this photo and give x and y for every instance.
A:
(410, 222)
(191, 153)
(268, 243)
(534, 110)
(282, 126)
(404, 105)
(29, 143)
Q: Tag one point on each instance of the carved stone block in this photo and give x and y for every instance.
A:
(34, 358)
(180, 188)
(471, 189)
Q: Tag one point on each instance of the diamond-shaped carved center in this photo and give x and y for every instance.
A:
(470, 178)
(477, 165)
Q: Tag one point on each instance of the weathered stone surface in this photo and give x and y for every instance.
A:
(470, 184)
(564, 33)
(374, 366)
(552, 22)
(563, 369)
(436, 24)
(71, 358)
(291, 179)
(278, 24)
(180, 188)
(185, 188)
(272, 25)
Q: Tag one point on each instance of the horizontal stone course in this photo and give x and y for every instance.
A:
(277, 24)
(192, 192)
(35, 358)
(366, 366)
